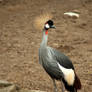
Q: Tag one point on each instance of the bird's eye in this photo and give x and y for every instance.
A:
(47, 26)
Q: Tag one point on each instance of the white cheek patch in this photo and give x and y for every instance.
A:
(47, 26)
(69, 74)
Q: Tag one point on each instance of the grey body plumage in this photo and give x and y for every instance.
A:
(49, 64)
(49, 58)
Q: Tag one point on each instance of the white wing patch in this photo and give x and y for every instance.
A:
(69, 74)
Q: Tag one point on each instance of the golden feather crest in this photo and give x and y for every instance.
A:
(41, 20)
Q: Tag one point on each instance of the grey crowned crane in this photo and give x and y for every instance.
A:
(57, 65)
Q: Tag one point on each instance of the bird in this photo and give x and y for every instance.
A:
(57, 65)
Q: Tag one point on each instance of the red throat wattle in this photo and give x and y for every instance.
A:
(46, 32)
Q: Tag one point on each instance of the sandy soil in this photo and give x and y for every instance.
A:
(19, 41)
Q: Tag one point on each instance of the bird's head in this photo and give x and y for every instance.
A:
(43, 21)
(49, 24)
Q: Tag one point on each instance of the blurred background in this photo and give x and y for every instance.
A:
(20, 41)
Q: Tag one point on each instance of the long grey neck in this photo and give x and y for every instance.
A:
(44, 38)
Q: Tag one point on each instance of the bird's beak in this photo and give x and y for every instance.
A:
(53, 26)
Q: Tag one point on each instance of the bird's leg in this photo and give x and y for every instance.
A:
(55, 87)
(63, 88)
(75, 90)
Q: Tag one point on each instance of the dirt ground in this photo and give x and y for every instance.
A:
(20, 41)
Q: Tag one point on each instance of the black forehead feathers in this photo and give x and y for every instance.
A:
(50, 22)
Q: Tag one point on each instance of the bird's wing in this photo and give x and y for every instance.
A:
(61, 58)
(49, 64)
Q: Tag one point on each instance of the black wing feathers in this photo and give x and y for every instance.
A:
(62, 59)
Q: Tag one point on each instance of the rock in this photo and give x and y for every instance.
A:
(1, 1)
(6, 86)
(4, 83)
(26, 90)
(6, 89)
(13, 88)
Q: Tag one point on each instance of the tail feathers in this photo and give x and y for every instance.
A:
(77, 83)
(75, 87)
